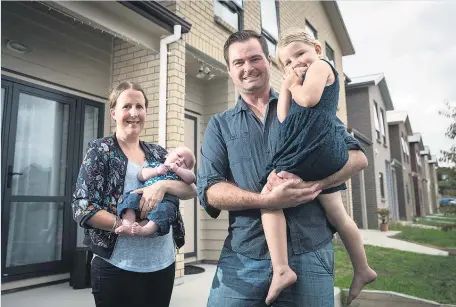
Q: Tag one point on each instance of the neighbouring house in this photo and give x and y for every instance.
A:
(418, 172)
(426, 180)
(60, 63)
(399, 129)
(368, 100)
(434, 188)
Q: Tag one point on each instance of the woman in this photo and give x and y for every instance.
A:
(127, 270)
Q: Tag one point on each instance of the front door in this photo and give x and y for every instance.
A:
(41, 131)
(190, 206)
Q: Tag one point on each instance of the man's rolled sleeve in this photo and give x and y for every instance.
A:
(214, 164)
(350, 141)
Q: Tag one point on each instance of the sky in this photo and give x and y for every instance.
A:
(414, 44)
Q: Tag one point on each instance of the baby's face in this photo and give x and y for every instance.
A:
(182, 157)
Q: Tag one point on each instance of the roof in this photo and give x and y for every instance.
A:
(416, 138)
(426, 151)
(373, 80)
(399, 117)
(433, 160)
(338, 25)
(157, 13)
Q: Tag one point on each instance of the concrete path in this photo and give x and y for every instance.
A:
(382, 239)
(192, 291)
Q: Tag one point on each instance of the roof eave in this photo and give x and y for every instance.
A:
(158, 14)
(338, 25)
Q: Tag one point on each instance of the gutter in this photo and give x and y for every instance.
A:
(163, 82)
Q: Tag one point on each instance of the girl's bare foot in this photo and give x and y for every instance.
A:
(282, 277)
(360, 279)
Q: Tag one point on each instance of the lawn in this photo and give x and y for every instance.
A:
(424, 276)
(434, 237)
(436, 219)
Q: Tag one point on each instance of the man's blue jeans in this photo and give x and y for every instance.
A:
(244, 282)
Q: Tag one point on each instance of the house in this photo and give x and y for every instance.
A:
(426, 180)
(418, 172)
(212, 23)
(434, 188)
(57, 68)
(399, 129)
(368, 100)
(60, 64)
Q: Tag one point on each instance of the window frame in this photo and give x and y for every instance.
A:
(376, 120)
(328, 47)
(382, 185)
(235, 8)
(312, 28)
(382, 125)
(268, 36)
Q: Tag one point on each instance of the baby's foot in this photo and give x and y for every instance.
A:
(125, 228)
(360, 279)
(139, 230)
(282, 277)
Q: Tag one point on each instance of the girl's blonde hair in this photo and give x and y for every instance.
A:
(115, 92)
(294, 35)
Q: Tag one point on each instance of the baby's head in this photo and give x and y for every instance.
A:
(296, 48)
(182, 156)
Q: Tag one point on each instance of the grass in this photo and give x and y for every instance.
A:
(424, 276)
(434, 237)
(436, 220)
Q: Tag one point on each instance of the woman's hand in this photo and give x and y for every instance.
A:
(151, 197)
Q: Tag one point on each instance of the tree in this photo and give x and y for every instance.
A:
(446, 177)
(450, 155)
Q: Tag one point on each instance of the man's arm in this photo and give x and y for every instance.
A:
(216, 194)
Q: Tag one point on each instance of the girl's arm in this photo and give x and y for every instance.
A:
(283, 105)
(309, 93)
(188, 176)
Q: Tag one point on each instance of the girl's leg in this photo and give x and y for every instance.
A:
(351, 237)
(275, 230)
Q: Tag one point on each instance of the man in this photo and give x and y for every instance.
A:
(237, 145)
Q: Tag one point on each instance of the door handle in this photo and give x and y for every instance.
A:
(10, 176)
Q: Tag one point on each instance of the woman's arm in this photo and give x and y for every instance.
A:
(87, 194)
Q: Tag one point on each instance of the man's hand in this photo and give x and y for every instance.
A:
(288, 190)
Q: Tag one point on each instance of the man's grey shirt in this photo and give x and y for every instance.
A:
(236, 148)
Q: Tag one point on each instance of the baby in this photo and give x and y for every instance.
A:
(178, 166)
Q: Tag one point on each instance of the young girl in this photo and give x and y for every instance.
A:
(311, 149)
(178, 166)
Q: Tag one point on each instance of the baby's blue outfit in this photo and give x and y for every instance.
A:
(164, 214)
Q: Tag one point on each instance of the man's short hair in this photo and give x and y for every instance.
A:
(242, 36)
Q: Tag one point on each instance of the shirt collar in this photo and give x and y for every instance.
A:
(242, 105)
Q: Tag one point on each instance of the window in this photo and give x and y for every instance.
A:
(408, 193)
(330, 55)
(382, 185)
(418, 159)
(405, 150)
(269, 25)
(230, 12)
(376, 123)
(382, 125)
(311, 30)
